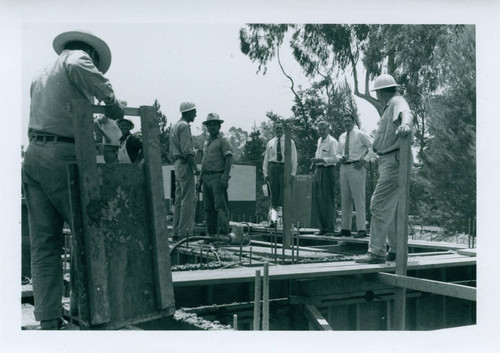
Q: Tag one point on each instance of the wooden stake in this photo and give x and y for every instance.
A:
(265, 299)
(256, 302)
(235, 322)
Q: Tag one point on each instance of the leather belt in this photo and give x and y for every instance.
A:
(350, 162)
(388, 152)
(276, 162)
(179, 157)
(209, 172)
(324, 166)
(51, 138)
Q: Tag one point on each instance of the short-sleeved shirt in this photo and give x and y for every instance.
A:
(72, 76)
(215, 150)
(386, 139)
(181, 141)
(327, 149)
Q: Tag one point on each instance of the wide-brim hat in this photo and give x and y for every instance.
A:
(83, 36)
(213, 117)
(119, 121)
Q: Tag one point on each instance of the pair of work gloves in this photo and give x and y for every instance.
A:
(114, 109)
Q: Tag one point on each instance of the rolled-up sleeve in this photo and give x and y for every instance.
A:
(400, 105)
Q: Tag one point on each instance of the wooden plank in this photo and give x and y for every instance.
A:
(288, 190)
(303, 271)
(430, 286)
(129, 111)
(402, 229)
(468, 252)
(315, 318)
(89, 189)
(80, 281)
(157, 207)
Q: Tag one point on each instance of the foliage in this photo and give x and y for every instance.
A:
(449, 165)
(253, 153)
(164, 133)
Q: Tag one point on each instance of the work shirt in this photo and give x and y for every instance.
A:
(215, 150)
(327, 149)
(131, 149)
(72, 76)
(110, 128)
(181, 141)
(271, 155)
(386, 139)
(359, 145)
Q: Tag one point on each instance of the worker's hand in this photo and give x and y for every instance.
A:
(224, 182)
(196, 171)
(403, 130)
(292, 179)
(359, 164)
(343, 159)
(198, 185)
(115, 110)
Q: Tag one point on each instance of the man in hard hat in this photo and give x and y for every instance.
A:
(76, 74)
(108, 135)
(396, 121)
(273, 166)
(215, 168)
(325, 160)
(182, 150)
(355, 152)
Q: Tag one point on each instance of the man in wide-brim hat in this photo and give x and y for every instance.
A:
(76, 74)
(215, 169)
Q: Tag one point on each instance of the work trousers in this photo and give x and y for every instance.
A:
(215, 204)
(384, 204)
(185, 200)
(352, 190)
(276, 182)
(46, 191)
(324, 197)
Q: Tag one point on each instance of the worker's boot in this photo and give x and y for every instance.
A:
(54, 324)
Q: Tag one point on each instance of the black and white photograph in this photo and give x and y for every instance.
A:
(323, 171)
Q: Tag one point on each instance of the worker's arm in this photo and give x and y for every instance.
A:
(265, 163)
(190, 161)
(100, 132)
(187, 148)
(84, 75)
(406, 124)
(224, 180)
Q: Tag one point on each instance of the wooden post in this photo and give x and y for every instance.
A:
(235, 322)
(159, 231)
(288, 189)
(256, 302)
(405, 162)
(265, 299)
(92, 233)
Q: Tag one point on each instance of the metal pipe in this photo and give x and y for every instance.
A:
(265, 299)
(298, 240)
(256, 302)
(235, 322)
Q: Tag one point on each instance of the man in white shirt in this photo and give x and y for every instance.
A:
(325, 160)
(108, 137)
(354, 152)
(273, 167)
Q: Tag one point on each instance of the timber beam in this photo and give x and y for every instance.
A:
(430, 286)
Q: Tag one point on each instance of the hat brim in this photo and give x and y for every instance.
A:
(125, 121)
(386, 86)
(217, 120)
(95, 42)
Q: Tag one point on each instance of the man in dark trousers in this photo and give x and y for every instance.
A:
(273, 166)
(325, 160)
(76, 74)
(396, 121)
(215, 169)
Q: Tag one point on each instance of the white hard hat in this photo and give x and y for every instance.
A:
(187, 106)
(384, 81)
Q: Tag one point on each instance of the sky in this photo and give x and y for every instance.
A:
(177, 62)
(175, 50)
